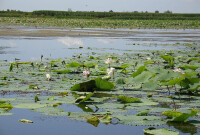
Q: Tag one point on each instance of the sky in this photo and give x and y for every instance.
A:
(176, 6)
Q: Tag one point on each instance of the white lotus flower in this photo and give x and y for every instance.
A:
(108, 61)
(179, 70)
(86, 73)
(48, 77)
(111, 72)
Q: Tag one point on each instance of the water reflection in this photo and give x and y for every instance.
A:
(105, 41)
(70, 42)
(2, 49)
(30, 48)
(11, 43)
(184, 127)
(85, 108)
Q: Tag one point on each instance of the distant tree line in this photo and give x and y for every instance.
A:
(167, 15)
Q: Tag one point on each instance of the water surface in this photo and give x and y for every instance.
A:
(30, 47)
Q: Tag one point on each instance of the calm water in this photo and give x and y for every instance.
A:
(30, 48)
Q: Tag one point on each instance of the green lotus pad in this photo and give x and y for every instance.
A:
(92, 118)
(29, 105)
(140, 120)
(50, 111)
(180, 116)
(92, 85)
(162, 131)
(5, 107)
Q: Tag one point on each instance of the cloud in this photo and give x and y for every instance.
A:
(68, 41)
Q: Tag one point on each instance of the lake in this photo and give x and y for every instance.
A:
(28, 44)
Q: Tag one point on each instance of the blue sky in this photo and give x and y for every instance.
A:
(176, 6)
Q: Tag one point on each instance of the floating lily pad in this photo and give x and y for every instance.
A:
(162, 131)
(29, 105)
(51, 111)
(140, 120)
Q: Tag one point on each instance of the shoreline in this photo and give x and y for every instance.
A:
(49, 31)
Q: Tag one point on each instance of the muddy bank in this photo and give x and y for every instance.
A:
(30, 31)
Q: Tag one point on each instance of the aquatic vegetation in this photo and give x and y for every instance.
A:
(25, 121)
(139, 71)
(125, 99)
(163, 131)
(11, 67)
(144, 113)
(93, 85)
(101, 19)
(86, 73)
(33, 86)
(181, 116)
(62, 94)
(140, 93)
(140, 120)
(101, 23)
(5, 107)
(36, 98)
(82, 99)
(99, 118)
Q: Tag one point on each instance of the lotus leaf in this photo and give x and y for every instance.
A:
(125, 99)
(82, 99)
(177, 116)
(163, 131)
(139, 71)
(139, 120)
(29, 105)
(92, 85)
